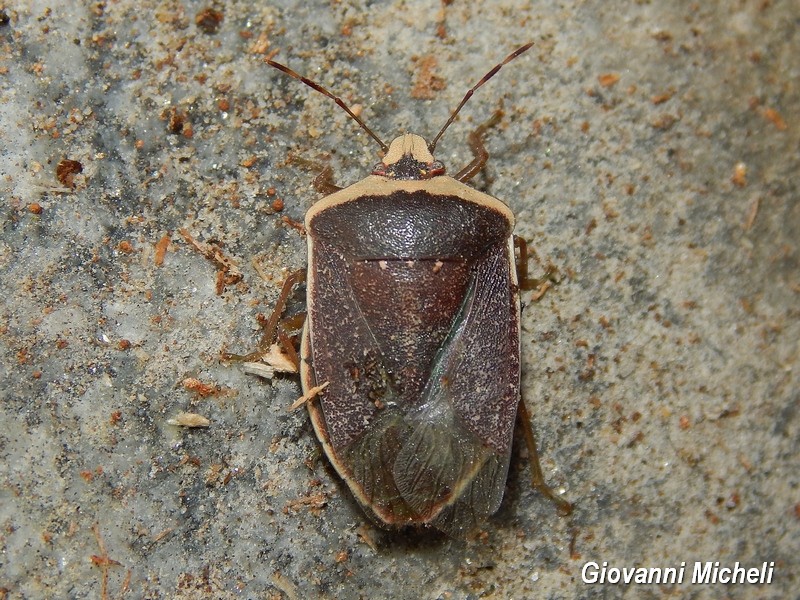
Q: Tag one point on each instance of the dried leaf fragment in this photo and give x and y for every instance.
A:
(189, 420)
(312, 393)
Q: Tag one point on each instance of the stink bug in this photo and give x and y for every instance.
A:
(410, 353)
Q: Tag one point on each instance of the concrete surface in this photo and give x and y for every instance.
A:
(650, 151)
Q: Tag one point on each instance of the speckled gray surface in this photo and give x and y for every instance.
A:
(650, 151)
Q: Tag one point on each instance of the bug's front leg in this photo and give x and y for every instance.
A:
(478, 149)
(323, 183)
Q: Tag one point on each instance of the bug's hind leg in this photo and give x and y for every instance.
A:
(541, 285)
(479, 152)
(537, 477)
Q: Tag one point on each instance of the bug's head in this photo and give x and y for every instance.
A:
(408, 157)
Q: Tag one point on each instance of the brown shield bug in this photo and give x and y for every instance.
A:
(410, 353)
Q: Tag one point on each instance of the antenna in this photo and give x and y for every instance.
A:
(315, 86)
(468, 95)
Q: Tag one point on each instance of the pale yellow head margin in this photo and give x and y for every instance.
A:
(408, 144)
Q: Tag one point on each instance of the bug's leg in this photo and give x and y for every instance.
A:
(522, 259)
(271, 326)
(275, 343)
(323, 182)
(479, 152)
(288, 348)
(525, 282)
(537, 477)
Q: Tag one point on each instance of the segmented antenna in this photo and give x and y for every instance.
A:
(468, 95)
(315, 86)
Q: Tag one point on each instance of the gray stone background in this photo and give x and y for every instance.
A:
(650, 151)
